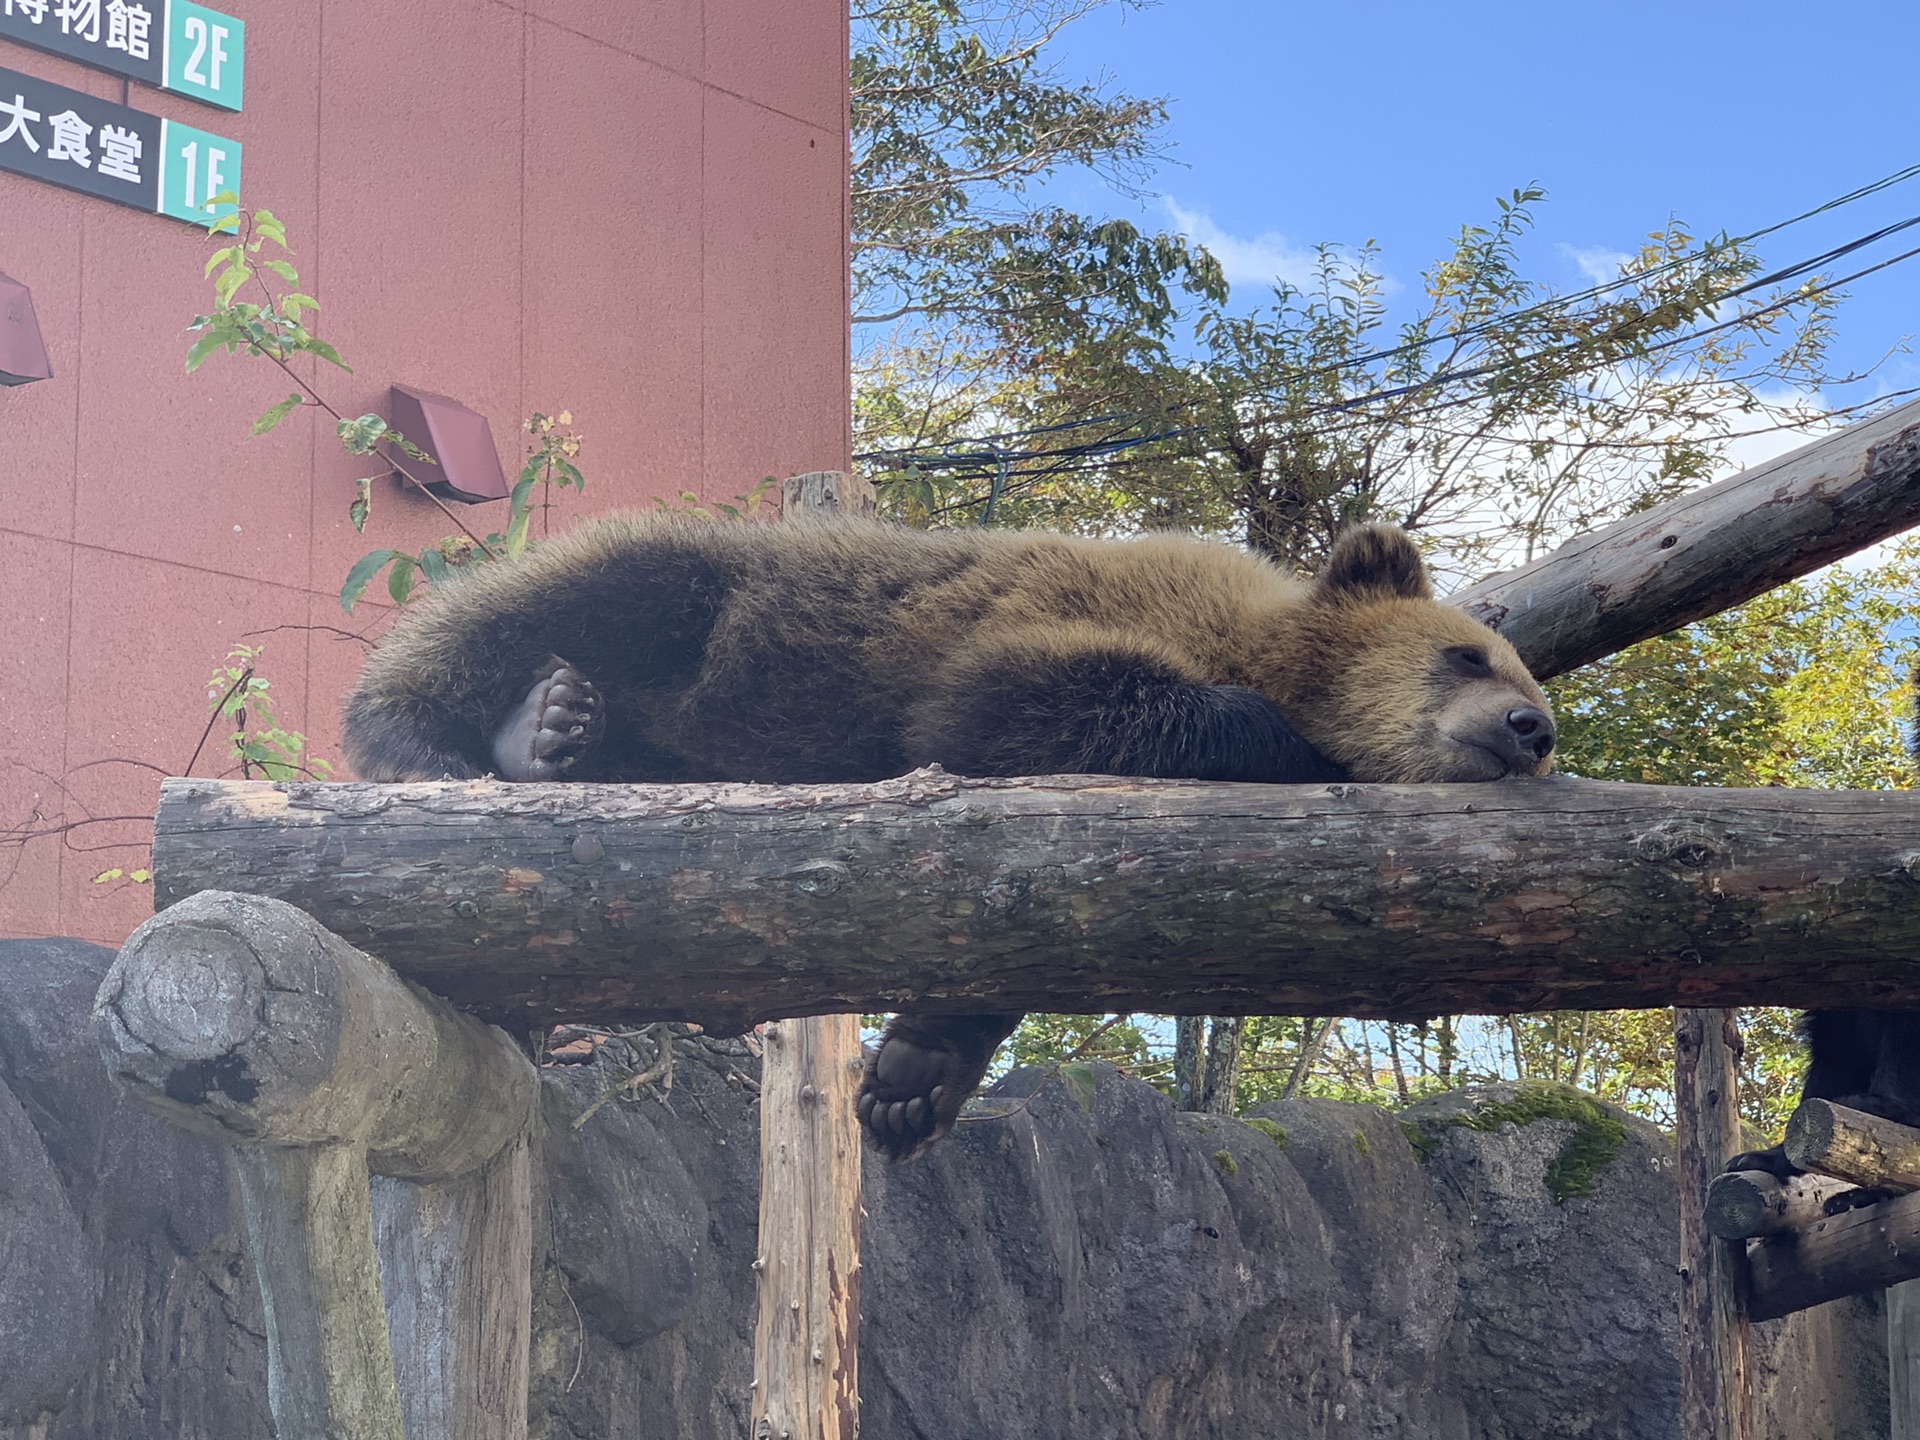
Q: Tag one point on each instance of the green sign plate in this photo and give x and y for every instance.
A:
(174, 44)
(73, 140)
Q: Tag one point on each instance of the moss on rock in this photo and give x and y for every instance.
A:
(1598, 1137)
(1271, 1130)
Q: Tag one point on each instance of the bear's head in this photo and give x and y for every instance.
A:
(1381, 677)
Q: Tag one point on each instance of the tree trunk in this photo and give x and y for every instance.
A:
(1716, 1340)
(1223, 1064)
(733, 903)
(1189, 1061)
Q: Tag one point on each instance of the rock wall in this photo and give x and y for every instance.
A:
(1113, 1273)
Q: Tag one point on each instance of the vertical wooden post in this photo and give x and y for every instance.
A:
(1716, 1339)
(1903, 1360)
(806, 1340)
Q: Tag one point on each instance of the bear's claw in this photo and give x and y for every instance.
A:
(551, 729)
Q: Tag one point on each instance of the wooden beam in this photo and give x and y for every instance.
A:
(1866, 1149)
(1716, 1340)
(1839, 1255)
(1744, 1204)
(1710, 549)
(806, 1338)
(735, 903)
(243, 1020)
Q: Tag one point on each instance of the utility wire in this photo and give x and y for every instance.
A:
(995, 449)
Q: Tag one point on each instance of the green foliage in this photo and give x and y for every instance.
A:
(1804, 685)
(1224, 1162)
(268, 325)
(1597, 1139)
(263, 750)
(744, 507)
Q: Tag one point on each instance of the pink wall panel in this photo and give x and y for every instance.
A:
(669, 33)
(628, 208)
(36, 574)
(619, 260)
(776, 364)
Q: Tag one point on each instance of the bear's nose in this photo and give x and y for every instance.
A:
(1532, 731)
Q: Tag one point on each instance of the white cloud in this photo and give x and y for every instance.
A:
(1264, 259)
(1600, 265)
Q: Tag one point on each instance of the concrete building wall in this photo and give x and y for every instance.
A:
(632, 209)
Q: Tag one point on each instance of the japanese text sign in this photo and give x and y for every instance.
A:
(174, 44)
(100, 148)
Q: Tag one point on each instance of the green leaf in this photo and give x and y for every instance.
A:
(1077, 1076)
(293, 302)
(400, 578)
(362, 503)
(517, 531)
(227, 224)
(221, 257)
(326, 352)
(228, 285)
(360, 436)
(433, 565)
(269, 228)
(274, 416)
(281, 268)
(198, 352)
(364, 569)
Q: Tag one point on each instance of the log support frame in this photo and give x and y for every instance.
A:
(383, 1146)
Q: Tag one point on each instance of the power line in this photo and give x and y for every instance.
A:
(995, 450)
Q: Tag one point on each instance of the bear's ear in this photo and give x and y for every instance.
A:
(1375, 562)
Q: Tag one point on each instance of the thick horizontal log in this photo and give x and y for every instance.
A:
(733, 903)
(246, 1021)
(1710, 549)
(1836, 1256)
(1742, 1204)
(1866, 1149)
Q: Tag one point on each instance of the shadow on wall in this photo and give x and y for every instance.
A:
(1127, 1271)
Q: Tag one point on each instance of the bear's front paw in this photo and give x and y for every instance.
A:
(920, 1075)
(551, 729)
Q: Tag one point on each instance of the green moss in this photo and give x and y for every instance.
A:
(1423, 1144)
(1272, 1131)
(1360, 1145)
(1223, 1161)
(1594, 1145)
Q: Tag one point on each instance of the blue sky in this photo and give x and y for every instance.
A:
(1397, 121)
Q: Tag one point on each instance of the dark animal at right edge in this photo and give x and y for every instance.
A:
(1867, 1060)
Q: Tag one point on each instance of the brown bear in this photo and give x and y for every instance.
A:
(652, 648)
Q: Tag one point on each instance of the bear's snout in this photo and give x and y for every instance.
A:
(1530, 732)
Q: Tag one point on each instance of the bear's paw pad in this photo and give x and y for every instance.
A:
(551, 729)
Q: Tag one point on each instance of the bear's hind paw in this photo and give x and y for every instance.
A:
(551, 729)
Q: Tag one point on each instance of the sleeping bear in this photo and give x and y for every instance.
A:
(659, 648)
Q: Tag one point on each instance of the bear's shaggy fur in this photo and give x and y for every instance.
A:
(645, 648)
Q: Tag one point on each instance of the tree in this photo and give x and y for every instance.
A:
(962, 278)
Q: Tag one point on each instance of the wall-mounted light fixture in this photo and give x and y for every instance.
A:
(465, 464)
(23, 354)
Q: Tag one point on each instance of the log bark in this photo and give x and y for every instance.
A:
(1831, 1139)
(1716, 1338)
(1745, 1204)
(1710, 549)
(381, 1141)
(1847, 1254)
(735, 903)
(1903, 1361)
(806, 1337)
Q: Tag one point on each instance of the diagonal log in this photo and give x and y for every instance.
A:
(733, 903)
(1710, 549)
